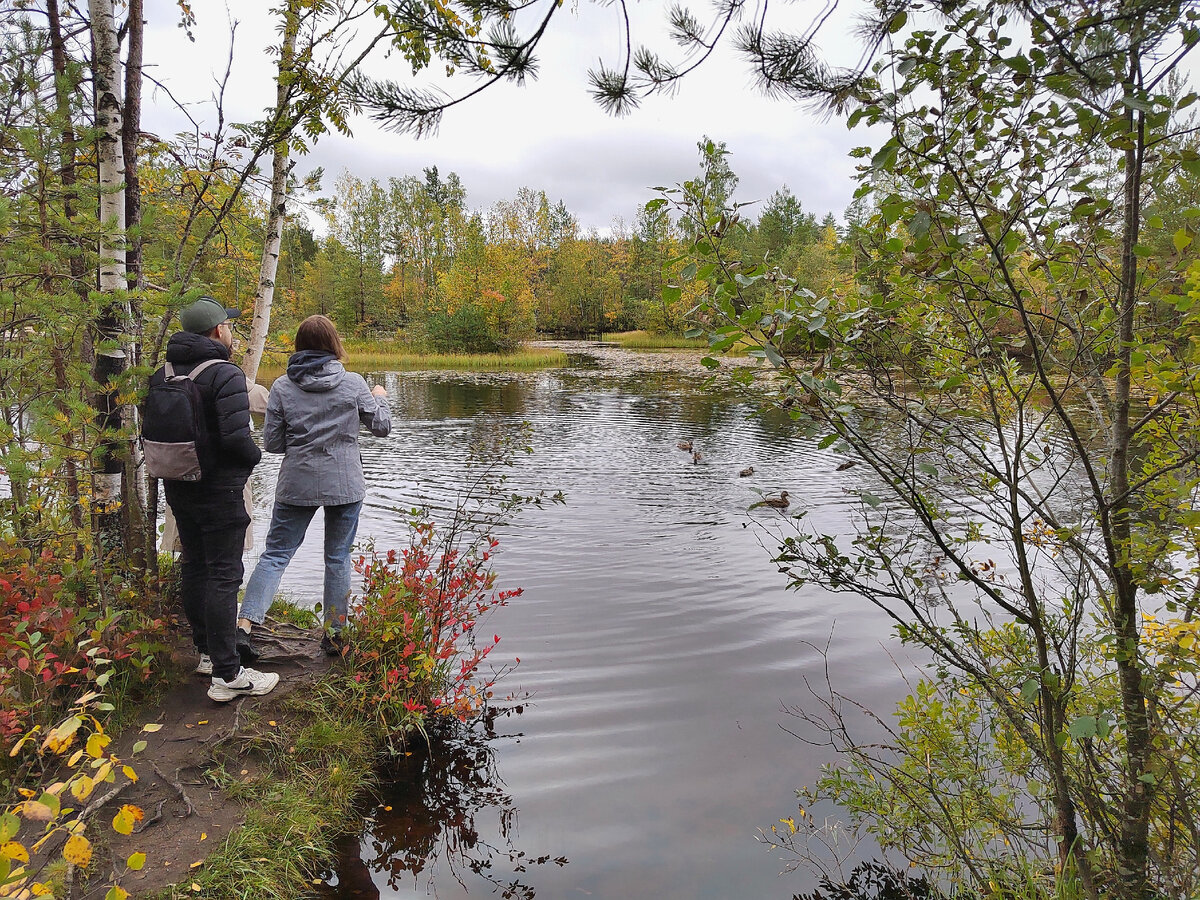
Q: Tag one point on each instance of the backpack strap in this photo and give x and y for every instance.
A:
(169, 370)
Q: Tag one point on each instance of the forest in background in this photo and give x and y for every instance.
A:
(409, 260)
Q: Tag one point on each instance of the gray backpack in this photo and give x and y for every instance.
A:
(174, 426)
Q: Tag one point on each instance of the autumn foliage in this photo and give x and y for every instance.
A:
(415, 651)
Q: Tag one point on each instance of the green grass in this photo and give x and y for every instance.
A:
(522, 360)
(286, 611)
(316, 765)
(646, 340)
(379, 356)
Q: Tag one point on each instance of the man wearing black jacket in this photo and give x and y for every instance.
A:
(210, 513)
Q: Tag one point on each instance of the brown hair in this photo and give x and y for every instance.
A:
(319, 333)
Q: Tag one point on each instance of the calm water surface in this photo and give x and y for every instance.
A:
(658, 645)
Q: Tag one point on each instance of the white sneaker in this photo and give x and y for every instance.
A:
(247, 683)
(204, 667)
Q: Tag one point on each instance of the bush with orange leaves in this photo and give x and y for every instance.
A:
(414, 650)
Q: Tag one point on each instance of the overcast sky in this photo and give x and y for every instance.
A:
(548, 135)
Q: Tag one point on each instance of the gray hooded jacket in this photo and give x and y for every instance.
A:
(313, 418)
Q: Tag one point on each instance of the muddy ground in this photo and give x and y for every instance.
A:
(185, 815)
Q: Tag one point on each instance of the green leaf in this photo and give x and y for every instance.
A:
(1083, 727)
(1029, 690)
(1181, 240)
(870, 499)
(898, 22)
(709, 363)
(885, 157)
(1139, 103)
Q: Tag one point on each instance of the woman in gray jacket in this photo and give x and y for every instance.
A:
(313, 418)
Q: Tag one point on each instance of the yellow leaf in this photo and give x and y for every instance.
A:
(41, 890)
(129, 773)
(195, 887)
(204, 835)
(197, 864)
(127, 816)
(22, 742)
(136, 861)
(96, 744)
(116, 892)
(15, 850)
(202, 722)
(78, 851)
(82, 787)
(151, 728)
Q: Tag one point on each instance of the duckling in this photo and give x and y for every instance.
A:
(685, 445)
(780, 502)
(746, 472)
(697, 457)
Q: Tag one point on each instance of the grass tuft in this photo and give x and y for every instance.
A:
(645, 340)
(304, 798)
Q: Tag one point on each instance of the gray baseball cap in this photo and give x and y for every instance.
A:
(205, 314)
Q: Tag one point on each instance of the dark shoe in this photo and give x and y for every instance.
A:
(332, 644)
(246, 650)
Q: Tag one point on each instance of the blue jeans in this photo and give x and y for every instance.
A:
(288, 525)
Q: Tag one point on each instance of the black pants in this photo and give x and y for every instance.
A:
(212, 524)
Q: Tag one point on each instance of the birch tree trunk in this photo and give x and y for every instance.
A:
(277, 210)
(139, 517)
(111, 358)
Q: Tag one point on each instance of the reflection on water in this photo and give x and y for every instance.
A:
(427, 824)
(657, 643)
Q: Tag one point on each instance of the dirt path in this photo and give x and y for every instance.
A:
(186, 816)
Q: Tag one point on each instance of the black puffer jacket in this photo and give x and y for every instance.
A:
(234, 453)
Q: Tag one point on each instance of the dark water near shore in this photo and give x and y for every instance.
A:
(658, 644)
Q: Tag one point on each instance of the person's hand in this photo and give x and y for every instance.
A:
(379, 391)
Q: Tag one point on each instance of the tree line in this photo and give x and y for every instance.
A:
(408, 259)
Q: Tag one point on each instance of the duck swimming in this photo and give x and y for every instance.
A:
(685, 445)
(746, 472)
(780, 502)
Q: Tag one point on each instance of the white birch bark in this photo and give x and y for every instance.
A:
(111, 165)
(277, 210)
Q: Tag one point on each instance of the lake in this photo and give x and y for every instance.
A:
(659, 647)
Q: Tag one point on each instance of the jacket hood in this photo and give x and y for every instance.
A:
(315, 370)
(185, 347)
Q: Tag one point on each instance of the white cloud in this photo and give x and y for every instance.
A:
(547, 135)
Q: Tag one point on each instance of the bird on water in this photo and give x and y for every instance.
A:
(780, 502)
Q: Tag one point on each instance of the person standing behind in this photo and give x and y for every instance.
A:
(210, 513)
(313, 419)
